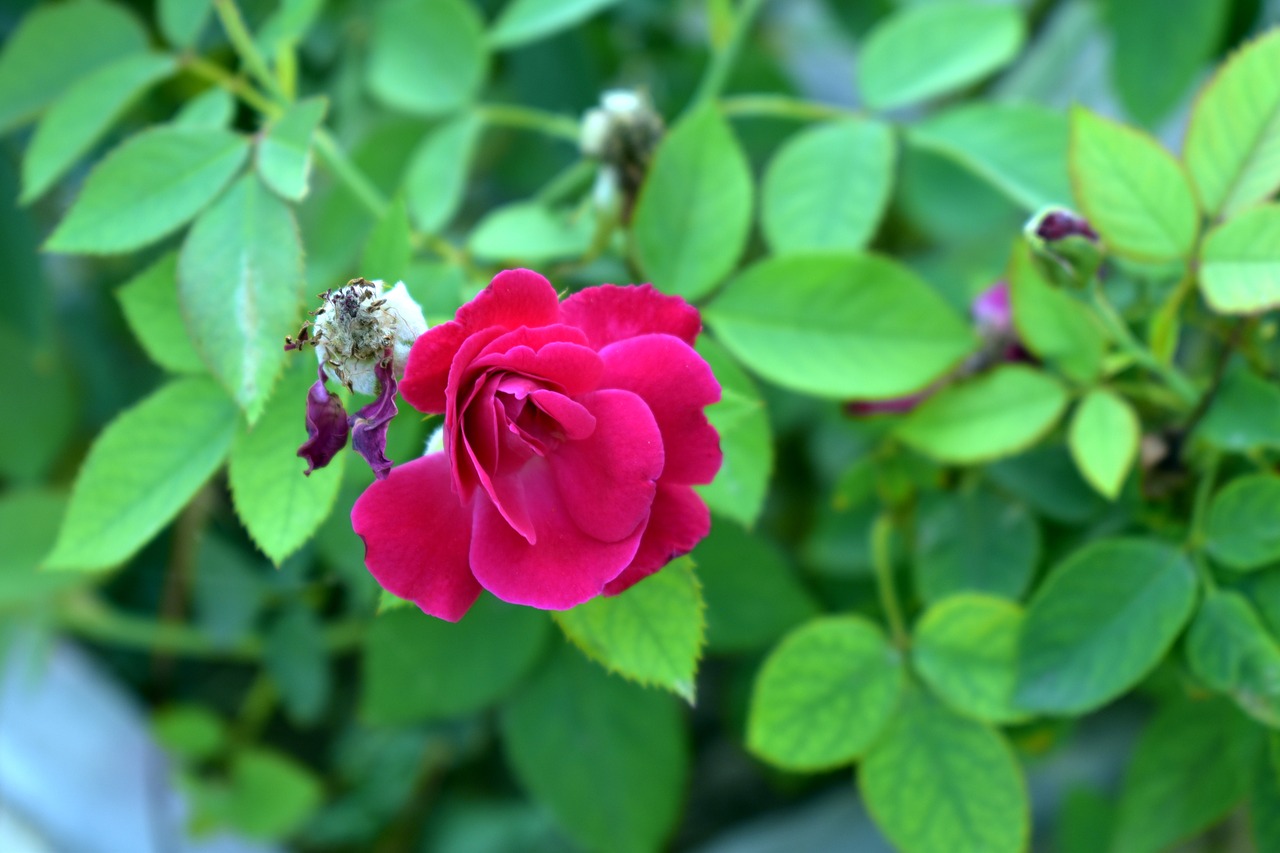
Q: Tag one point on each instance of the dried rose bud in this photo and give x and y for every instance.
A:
(622, 133)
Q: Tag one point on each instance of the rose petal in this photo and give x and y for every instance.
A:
(610, 313)
(565, 568)
(992, 310)
(369, 425)
(417, 537)
(676, 383)
(678, 522)
(557, 355)
(327, 427)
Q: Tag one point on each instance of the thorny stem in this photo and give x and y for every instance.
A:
(717, 73)
(1124, 337)
(882, 561)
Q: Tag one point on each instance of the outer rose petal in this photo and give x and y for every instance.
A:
(417, 537)
(513, 299)
(565, 568)
(610, 313)
(676, 383)
(678, 522)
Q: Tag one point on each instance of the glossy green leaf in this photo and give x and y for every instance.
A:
(83, 114)
(284, 153)
(1046, 480)
(975, 541)
(280, 507)
(192, 732)
(1052, 324)
(1264, 799)
(240, 287)
(814, 324)
(1232, 148)
(824, 694)
(389, 250)
(147, 188)
(1191, 767)
(652, 634)
(531, 233)
(413, 668)
(939, 783)
(523, 21)
(437, 176)
(753, 594)
(965, 648)
(827, 187)
(30, 520)
(1240, 263)
(150, 304)
(56, 45)
(739, 488)
(1133, 192)
(214, 107)
(1020, 149)
(693, 215)
(181, 21)
(271, 795)
(1244, 414)
(1100, 622)
(426, 58)
(996, 414)
(1243, 528)
(1229, 648)
(1103, 438)
(141, 470)
(607, 757)
(924, 51)
(288, 25)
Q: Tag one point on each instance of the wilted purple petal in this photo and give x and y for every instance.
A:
(892, 406)
(1060, 224)
(326, 426)
(991, 309)
(369, 425)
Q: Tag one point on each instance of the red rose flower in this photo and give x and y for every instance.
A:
(573, 434)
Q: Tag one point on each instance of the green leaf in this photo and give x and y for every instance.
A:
(975, 541)
(150, 304)
(1244, 415)
(389, 250)
(414, 671)
(523, 21)
(437, 175)
(1046, 480)
(1132, 191)
(1240, 263)
(939, 783)
(149, 187)
(271, 795)
(1189, 32)
(1243, 528)
(288, 25)
(813, 324)
(1232, 146)
(824, 694)
(693, 216)
(1264, 800)
(192, 732)
(1102, 620)
(141, 470)
(240, 286)
(426, 58)
(1104, 438)
(996, 414)
(1229, 648)
(1020, 149)
(827, 187)
(1053, 325)
(214, 107)
(1191, 767)
(182, 21)
(30, 520)
(83, 114)
(933, 49)
(608, 758)
(279, 506)
(653, 633)
(965, 648)
(36, 377)
(532, 233)
(295, 656)
(284, 153)
(753, 594)
(56, 45)
(739, 488)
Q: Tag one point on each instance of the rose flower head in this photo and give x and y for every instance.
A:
(573, 435)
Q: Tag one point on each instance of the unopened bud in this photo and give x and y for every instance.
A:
(1066, 246)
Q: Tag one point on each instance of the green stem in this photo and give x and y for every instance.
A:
(1200, 502)
(882, 560)
(527, 118)
(1124, 337)
(782, 106)
(717, 73)
(242, 40)
(337, 161)
(233, 83)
